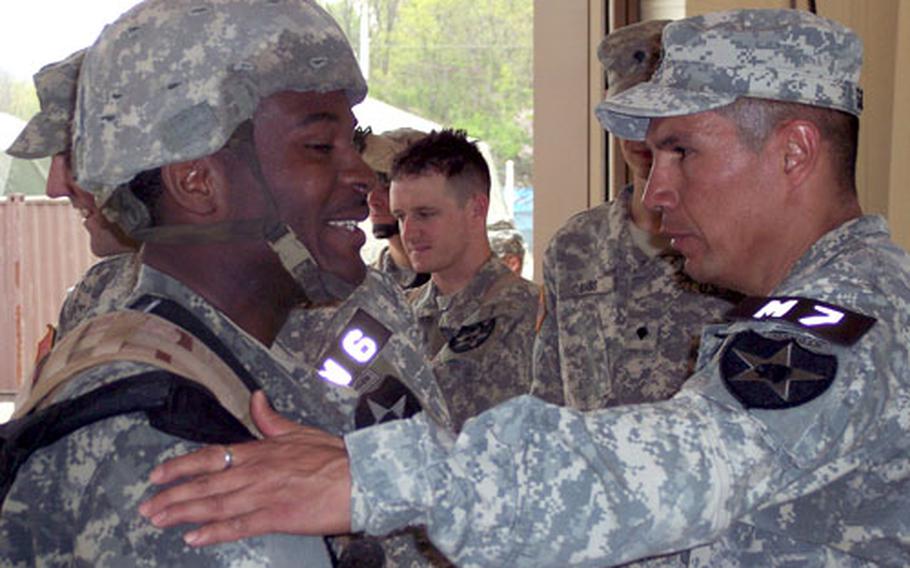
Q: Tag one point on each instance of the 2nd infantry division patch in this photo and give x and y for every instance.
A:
(472, 336)
(773, 374)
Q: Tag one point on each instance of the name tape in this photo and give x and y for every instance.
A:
(828, 321)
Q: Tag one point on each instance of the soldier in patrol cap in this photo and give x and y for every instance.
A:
(787, 446)
(621, 319)
(379, 151)
(231, 156)
(48, 134)
(507, 244)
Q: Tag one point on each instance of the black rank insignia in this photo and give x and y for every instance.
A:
(472, 336)
(773, 374)
(389, 400)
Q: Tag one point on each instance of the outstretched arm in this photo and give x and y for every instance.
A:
(296, 480)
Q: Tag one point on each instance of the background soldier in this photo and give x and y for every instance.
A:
(507, 244)
(48, 134)
(476, 316)
(622, 319)
(379, 152)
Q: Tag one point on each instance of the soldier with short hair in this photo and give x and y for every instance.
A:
(476, 316)
(621, 319)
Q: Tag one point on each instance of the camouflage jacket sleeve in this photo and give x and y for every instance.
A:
(782, 430)
(547, 383)
(74, 503)
(530, 484)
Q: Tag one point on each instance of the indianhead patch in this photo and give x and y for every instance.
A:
(472, 336)
(389, 400)
(773, 374)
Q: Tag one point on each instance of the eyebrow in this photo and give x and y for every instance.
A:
(668, 141)
(318, 117)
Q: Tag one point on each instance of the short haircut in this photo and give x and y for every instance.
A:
(757, 118)
(450, 154)
(148, 186)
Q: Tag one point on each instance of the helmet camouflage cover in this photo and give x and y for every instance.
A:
(171, 80)
(48, 132)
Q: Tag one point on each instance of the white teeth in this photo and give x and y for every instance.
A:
(348, 225)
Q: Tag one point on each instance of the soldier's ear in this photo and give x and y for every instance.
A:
(194, 186)
(479, 204)
(801, 142)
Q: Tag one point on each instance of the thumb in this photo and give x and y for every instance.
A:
(269, 422)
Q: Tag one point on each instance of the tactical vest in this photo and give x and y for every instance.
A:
(199, 390)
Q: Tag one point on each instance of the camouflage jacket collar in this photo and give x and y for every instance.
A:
(865, 228)
(250, 351)
(452, 311)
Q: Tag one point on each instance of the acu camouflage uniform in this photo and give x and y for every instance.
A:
(820, 484)
(505, 239)
(102, 289)
(479, 338)
(74, 502)
(787, 447)
(403, 276)
(622, 323)
(309, 333)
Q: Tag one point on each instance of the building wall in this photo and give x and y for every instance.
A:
(45, 251)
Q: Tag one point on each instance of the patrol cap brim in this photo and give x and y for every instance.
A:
(628, 114)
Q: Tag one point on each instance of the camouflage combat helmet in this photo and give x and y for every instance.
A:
(171, 80)
(630, 54)
(505, 238)
(48, 132)
(710, 61)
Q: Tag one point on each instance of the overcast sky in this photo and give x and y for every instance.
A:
(36, 32)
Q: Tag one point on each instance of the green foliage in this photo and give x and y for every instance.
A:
(463, 63)
(17, 98)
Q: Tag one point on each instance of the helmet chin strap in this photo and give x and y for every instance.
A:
(385, 230)
(319, 286)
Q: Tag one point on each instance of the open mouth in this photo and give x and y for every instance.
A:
(349, 225)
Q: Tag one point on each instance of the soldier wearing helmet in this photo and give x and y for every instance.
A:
(220, 134)
(48, 134)
(507, 244)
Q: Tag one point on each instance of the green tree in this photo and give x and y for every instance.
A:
(17, 98)
(463, 63)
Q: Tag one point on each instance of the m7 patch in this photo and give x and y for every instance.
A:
(766, 373)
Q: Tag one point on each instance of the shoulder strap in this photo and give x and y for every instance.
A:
(147, 338)
(173, 404)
